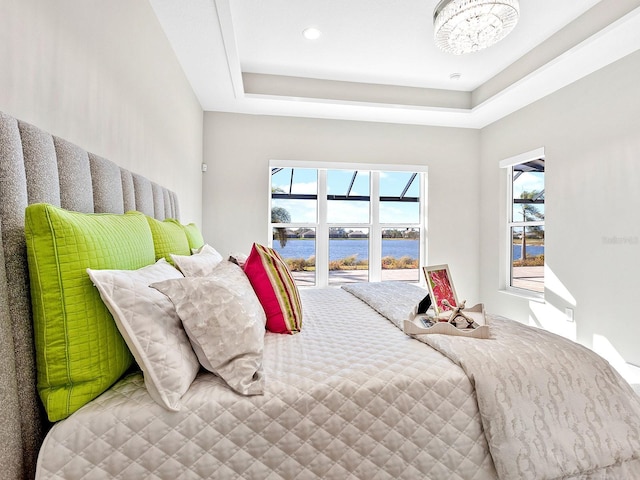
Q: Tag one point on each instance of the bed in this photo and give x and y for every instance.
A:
(349, 396)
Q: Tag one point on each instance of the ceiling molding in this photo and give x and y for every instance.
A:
(602, 35)
(614, 42)
(299, 88)
(225, 21)
(595, 20)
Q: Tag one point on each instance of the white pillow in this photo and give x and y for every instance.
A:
(238, 258)
(225, 323)
(200, 264)
(206, 249)
(151, 328)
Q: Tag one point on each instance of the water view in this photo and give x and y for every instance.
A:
(532, 251)
(349, 259)
(343, 248)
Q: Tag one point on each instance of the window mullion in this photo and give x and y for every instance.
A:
(424, 238)
(322, 235)
(525, 276)
(509, 237)
(537, 223)
(323, 245)
(375, 235)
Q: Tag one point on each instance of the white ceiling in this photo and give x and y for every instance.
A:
(376, 60)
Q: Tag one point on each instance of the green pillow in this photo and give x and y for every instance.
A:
(191, 230)
(79, 351)
(168, 238)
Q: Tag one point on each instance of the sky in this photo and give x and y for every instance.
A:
(305, 181)
(529, 182)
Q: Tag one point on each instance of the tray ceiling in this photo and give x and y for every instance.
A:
(376, 61)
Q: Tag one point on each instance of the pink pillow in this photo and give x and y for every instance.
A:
(275, 288)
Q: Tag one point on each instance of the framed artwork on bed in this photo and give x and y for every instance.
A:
(440, 287)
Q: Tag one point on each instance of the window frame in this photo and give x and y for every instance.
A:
(374, 226)
(508, 165)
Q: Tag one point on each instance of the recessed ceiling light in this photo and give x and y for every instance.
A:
(455, 76)
(311, 33)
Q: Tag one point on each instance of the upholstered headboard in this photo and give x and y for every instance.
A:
(38, 167)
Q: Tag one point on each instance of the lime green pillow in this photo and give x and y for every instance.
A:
(196, 240)
(191, 230)
(168, 238)
(79, 351)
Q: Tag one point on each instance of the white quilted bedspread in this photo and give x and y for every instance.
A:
(551, 409)
(350, 397)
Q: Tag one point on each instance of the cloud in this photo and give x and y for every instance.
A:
(399, 212)
(347, 211)
(528, 182)
(307, 187)
(299, 187)
(301, 211)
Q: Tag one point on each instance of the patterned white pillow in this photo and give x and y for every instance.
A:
(238, 258)
(225, 323)
(151, 328)
(200, 264)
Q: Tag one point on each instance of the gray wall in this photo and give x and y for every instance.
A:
(589, 132)
(592, 141)
(102, 74)
(236, 188)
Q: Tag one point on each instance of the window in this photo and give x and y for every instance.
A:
(525, 225)
(348, 223)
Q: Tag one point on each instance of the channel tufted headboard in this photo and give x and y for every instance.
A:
(36, 166)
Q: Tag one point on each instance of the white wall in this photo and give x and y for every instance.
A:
(592, 140)
(102, 74)
(592, 145)
(236, 187)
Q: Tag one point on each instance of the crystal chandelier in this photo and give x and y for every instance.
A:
(464, 26)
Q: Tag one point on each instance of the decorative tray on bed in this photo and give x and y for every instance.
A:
(474, 325)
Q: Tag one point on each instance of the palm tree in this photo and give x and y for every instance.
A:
(280, 215)
(530, 213)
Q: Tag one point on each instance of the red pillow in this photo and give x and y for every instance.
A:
(275, 288)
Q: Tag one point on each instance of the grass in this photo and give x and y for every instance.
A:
(530, 241)
(537, 261)
(402, 263)
(300, 264)
(351, 263)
